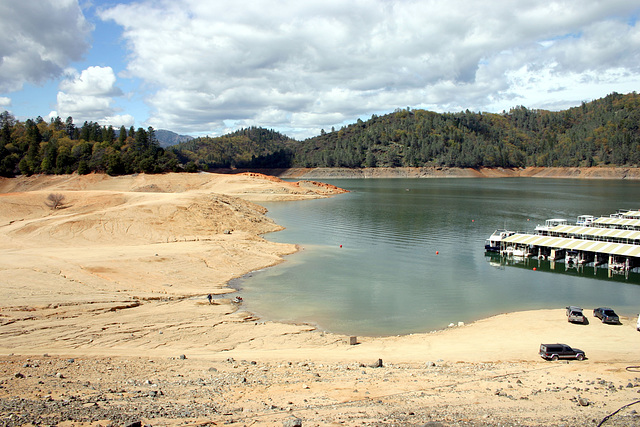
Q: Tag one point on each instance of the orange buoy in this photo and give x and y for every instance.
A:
(437, 252)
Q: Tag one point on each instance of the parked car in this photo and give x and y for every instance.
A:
(560, 351)
(607, 315)
(575, 315)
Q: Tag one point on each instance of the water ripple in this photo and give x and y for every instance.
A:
(413, 261)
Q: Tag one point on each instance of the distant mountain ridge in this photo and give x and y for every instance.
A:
(167, 138)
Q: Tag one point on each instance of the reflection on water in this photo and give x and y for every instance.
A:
(560, 267)
(397, 256)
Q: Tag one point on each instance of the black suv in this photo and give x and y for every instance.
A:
(560, 351)
(607, 315)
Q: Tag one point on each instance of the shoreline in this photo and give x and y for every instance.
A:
(224, 287)
(626, 173)
(115, 325)
(520, 334)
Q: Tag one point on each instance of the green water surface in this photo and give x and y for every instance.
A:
(397, 256)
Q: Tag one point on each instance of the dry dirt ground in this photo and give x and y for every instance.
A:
(104, 320)
(442, 172)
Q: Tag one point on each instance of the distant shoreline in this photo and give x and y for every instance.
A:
(617, 173)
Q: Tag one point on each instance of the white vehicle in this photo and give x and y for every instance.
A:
(574, 314)
(638, 324)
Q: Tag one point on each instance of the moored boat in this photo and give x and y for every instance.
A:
(492, 244)
(585, 220)
(550, 223)
(516, 252)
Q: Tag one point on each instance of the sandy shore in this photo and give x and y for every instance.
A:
(104, 320)
(599, 172)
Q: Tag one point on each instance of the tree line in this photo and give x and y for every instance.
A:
(602, 132)
(58, 147)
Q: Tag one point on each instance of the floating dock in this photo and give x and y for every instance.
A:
(612, 241)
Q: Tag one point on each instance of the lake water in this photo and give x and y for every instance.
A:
(398, 256)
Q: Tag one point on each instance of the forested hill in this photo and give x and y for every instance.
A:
(602, 132)
(252, 147)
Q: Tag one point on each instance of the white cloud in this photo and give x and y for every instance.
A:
(318, 63)
(88, 96)
(39, 40)
(601, 46)
(5, 102)
(117, 121)
(94, 81)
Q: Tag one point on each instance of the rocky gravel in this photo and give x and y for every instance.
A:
(178, 391)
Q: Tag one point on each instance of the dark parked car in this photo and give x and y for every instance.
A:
(560, 351)
(607, 315)
(574, 314)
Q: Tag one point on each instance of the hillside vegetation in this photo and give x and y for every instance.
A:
(604, 132)
(246, 148)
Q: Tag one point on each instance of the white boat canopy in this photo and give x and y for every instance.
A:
(631, 215)
(617, 222)
(595, 233)
(621, 249)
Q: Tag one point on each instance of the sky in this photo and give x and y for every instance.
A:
(209, 67)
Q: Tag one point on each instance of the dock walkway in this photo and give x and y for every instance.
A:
(614, 241)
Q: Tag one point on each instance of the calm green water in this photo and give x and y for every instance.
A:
(398, 256)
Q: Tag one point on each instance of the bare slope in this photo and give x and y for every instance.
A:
(112, 288)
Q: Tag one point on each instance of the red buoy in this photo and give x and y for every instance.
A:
(437, 252)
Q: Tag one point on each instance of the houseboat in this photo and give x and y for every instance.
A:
(585, 220)
(550, 223)
(492, 244)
